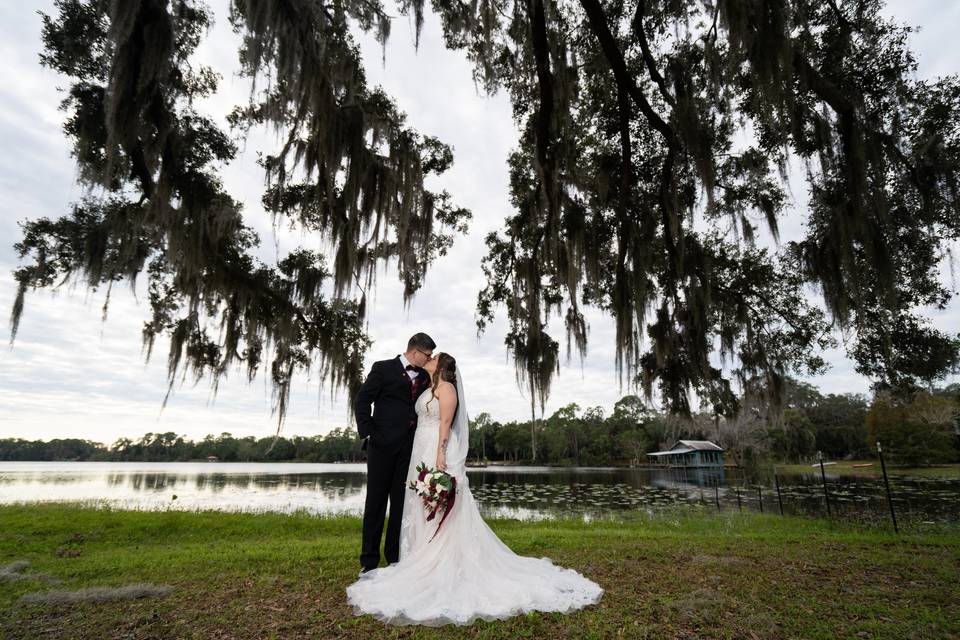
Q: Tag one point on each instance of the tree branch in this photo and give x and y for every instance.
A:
(541, 52)
(845, 24)
(598, 24)
(611, 50)
(651, 64)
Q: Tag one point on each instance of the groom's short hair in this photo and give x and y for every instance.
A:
(421, 341)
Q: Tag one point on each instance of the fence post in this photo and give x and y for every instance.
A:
(886, 483)
(716, 495)
(823, 475)
(760, 498)
(776, 481)
(739, 508)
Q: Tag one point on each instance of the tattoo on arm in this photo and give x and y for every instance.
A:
(445, 417)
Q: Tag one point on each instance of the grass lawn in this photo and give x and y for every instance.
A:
(283, 576)
(846, 467)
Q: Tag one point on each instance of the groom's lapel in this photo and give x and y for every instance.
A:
(403, 372)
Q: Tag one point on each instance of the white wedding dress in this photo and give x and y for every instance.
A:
(465, 573)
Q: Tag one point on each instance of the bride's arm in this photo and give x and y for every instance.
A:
(448, 403)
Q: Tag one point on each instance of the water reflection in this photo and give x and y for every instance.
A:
(529, 493)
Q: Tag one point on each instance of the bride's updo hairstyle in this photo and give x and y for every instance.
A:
(446, 371)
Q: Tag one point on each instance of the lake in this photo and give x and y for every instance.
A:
(529, 493)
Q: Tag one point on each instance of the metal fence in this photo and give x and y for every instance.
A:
(871, 498)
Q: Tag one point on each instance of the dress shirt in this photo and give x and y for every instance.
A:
(410, 372)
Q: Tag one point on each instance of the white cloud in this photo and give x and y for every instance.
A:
(69, 375)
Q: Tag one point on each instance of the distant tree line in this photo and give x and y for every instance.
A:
(340, 445)
(922, 428)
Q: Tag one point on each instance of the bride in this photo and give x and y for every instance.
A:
(465, 572)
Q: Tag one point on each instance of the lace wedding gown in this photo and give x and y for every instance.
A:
(465, 573)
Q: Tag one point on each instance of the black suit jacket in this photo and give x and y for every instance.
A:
(389, 388)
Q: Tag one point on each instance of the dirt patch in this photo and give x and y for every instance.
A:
(701, 606)
(98, 594)
(717, 560)
(70, 548)
(16, 571)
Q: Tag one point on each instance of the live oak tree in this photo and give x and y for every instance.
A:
(656, 133)
(656, 137)
(350, 171)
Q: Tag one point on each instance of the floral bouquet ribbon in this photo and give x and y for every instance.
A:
(438, 491)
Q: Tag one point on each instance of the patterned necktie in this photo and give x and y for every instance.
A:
(415, 388)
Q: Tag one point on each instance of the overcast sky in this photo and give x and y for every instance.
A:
(70, 375)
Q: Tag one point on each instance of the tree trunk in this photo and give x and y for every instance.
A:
(533, 427)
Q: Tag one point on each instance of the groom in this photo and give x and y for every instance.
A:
(392, 386)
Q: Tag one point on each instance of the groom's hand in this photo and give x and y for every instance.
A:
(367, 394)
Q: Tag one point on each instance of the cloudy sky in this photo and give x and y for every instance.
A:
(70, 375)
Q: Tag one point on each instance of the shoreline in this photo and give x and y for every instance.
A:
(837, 467)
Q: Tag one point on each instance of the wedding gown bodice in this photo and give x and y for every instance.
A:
(424, 414)
(466, 572)
(427, 436)
(414, 528)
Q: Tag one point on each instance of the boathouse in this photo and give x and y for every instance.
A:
(689, 453)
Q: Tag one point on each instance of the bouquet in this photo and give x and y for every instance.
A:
(438, 490)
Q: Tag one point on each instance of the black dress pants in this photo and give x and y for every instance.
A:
(386, 481)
